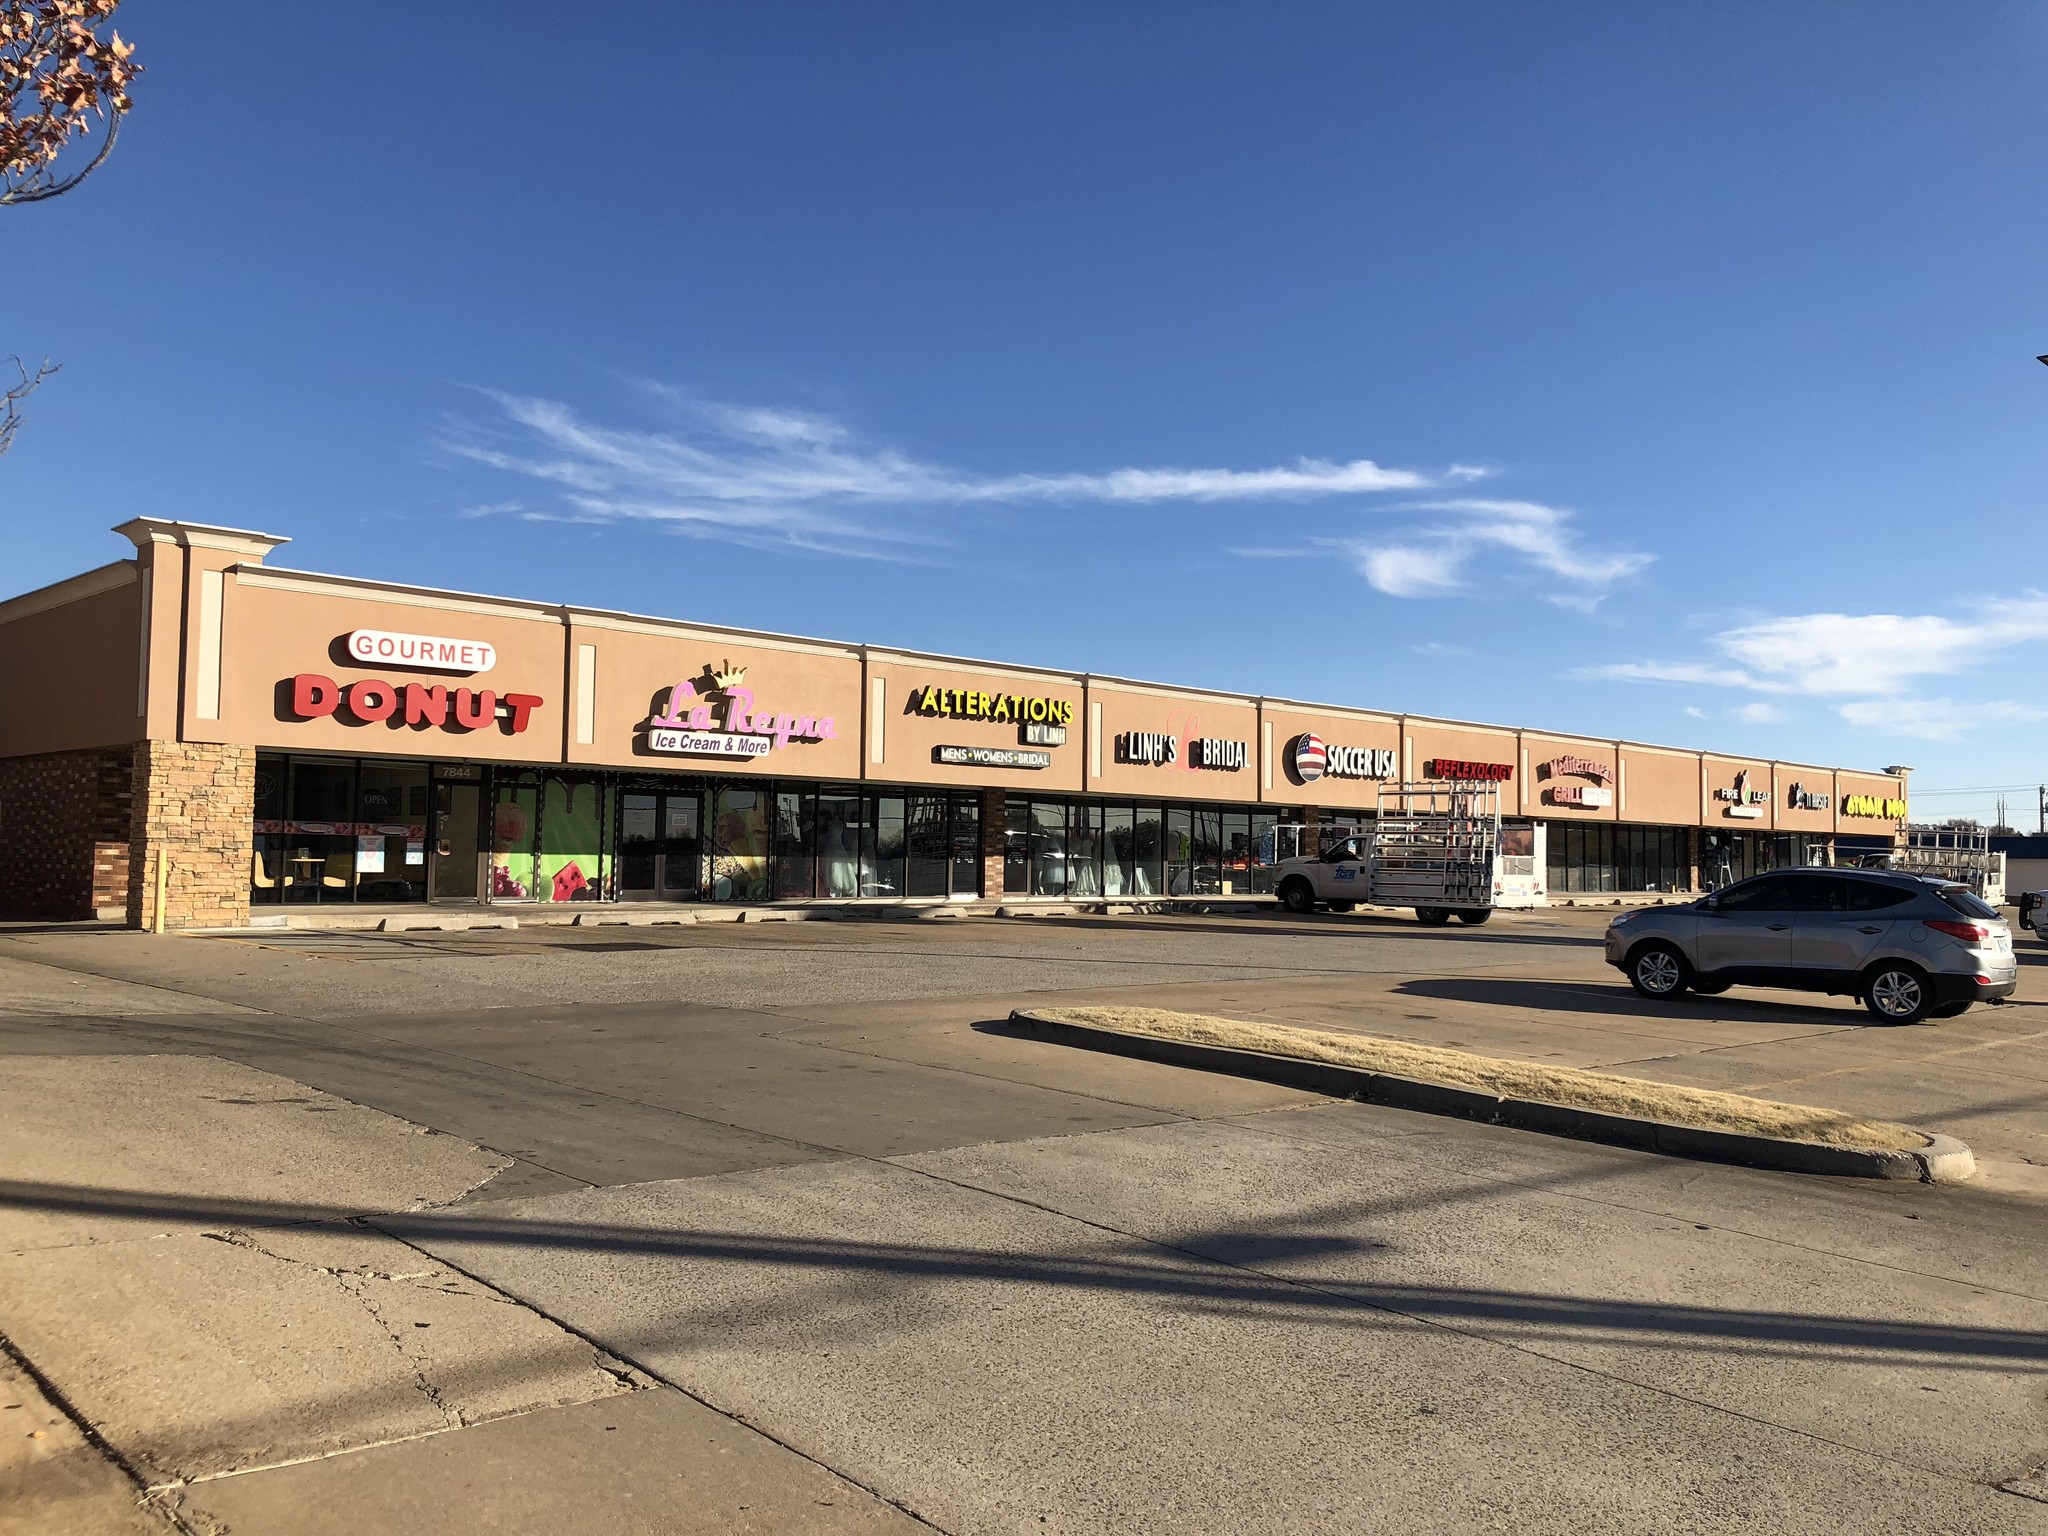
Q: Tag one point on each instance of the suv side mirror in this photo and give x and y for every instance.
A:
(1710, 903)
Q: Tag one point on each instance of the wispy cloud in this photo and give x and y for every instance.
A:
(1851, 654)
(759, 476)
(1873, 663)
(1938, 719)
(1440, 554)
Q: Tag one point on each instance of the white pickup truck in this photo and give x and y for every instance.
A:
(1433, 847)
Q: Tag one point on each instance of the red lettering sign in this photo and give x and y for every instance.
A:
(1459, 768)
(371, 700)
(314, 695)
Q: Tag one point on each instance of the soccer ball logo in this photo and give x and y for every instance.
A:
(1311, 757)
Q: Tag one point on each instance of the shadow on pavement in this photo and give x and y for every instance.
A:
(1185, 1273)
(1319, 926)
(1617, 999)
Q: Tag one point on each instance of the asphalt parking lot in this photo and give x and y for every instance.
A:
(850, 1244)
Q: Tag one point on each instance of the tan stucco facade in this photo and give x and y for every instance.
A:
(198, 641)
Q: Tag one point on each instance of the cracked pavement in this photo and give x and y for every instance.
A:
(779, 1229)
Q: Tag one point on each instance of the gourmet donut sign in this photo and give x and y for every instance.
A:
(1313, 757)
(420, 653)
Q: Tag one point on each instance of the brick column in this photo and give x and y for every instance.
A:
(57, 854)
(1693, 836)
(194, 815)
(992, 813)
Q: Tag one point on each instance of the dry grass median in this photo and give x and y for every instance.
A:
(1570, 1086)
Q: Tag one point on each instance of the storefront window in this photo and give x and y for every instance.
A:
(1180, 851)
(1084, 850)
(882, 848)
(1016, 847)
(795, 864)
(1596, 859)
(927, 846)
(1119, 850)
(839, 827)
(1237, 853)
(514, 831)
(575, 811)
(1048, 848)
(966, 845)
(739, 845)
(391, 832)
(1148, 875)
(1263, 823)
(319, 849)
(1208, 851)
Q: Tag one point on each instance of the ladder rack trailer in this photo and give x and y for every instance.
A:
(1433, 848)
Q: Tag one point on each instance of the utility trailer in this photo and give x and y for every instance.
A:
(1433, 846)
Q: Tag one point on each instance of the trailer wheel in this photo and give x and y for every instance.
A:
(1474, 915)
(1297, 896)
(1432, 917)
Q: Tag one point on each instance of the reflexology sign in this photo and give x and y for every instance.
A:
(714, 716)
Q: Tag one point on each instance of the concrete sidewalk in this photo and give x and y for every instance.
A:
(825, 1247)
(181, 1256)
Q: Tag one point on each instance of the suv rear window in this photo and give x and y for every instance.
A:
(1876, 895)
(1965, 901)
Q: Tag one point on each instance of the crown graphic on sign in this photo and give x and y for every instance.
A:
(729, 676)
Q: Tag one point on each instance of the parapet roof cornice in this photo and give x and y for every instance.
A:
(145, 531)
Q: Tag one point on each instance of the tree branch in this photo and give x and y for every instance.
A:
(11, 398)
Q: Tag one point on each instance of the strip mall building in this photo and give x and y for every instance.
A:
(196, 727)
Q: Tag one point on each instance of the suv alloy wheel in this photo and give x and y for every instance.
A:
(1897, 993)
(1659, 972)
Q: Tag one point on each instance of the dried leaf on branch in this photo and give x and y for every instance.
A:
(58, 78)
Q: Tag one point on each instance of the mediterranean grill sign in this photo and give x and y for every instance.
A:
(1311, 757)
(718, 719)
(1586, 796)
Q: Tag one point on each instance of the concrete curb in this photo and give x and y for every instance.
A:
(1944, 1160)
(443, 924)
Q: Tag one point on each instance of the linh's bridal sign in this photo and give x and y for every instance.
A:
(717, 718)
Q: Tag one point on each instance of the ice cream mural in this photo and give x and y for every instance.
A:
(713, 715)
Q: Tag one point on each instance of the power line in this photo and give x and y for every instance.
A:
(1980, 789)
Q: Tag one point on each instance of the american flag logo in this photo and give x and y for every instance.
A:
(1311, 756)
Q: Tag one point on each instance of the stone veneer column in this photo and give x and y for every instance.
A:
(194, 810)
(992, 813)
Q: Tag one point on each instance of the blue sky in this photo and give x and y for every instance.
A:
(1650, 371)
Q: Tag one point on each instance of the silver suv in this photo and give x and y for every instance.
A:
(1907, 946)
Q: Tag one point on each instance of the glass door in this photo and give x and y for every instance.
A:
(452, 872)
(680, 872)
(661, 846)
(639, 846)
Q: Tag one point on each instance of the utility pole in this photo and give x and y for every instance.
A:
(2041, 816)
